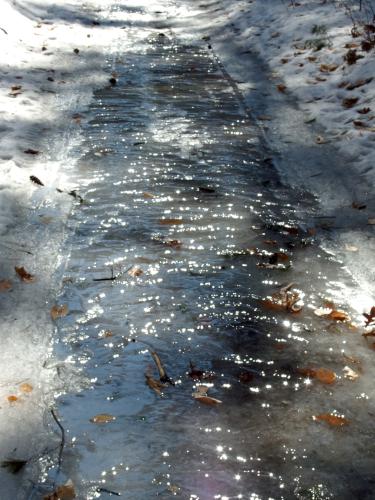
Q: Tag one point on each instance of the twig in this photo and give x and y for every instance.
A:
(104, 490)
(2, 29)
(162, 373)
(62, 443)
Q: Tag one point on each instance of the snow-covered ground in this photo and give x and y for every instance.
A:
(55, 53)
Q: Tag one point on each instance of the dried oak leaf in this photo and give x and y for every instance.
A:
(5, 285)
(31, 151)
(155, 385)
(12, 399)
(102, 418)
(173, 244)
(197, 374)
(35, 180)
(135, 272)
(281, 88)
(349, 102)
(200, 395)
(148, 196)
(359, 83)
(322, 374)
(24, 275)
(333, 420)
(370, 317)
(328, 68)
(171, 222)
(59, 311)
(64, 492)
(358, 206)
(363, 111)
(26, 388)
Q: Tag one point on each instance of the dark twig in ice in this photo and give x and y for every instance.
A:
(62, 443)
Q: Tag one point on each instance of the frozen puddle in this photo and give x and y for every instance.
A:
(185, 209)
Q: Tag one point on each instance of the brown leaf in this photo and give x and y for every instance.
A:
(338, 316)
(359, 83)
(363, 111)
(349, 102)
(12, 399)
(370, 317)
(135, 272)
(24, 275)
(322, 374)
(64, 492)
(102, 418)
(155, 385)
(312, 58)
(358, 206)
(59, 311)
(200, 395)
(246, 377)
(333, 420)
(281, 88)
(171, 222)
(26, 388)
(5, 285)
(31, 151)
(197, 374)
(369, 334)
(148, 196)
(173, 244)
(328, 68)
(35, 180)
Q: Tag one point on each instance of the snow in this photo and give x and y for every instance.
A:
(38, 54)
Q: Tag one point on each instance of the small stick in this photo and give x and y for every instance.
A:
(2, 29)
(104, 490)
(162, 373)
(62, 443)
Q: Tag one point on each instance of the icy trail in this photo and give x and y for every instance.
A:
(185, 207)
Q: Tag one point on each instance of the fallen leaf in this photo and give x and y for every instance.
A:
(370, 317)
(5, 285)
(328, 68)
(333, 420)
(322, 374)
(24, 275)
(325, 376)
(26, 388)
(349, 102)
(171, 222)
(281, 87)
(371, 221)
(284, 299)
(12, 399)
(363, 111)
(31, 151)
(135, 272)
(155, 385)
(351, 359)
(358, 206)
(64, 492)
(148, 196)
(312, 58)
(200, 395)
(349, 373)
(59, 311)
(359, 83)
(35, 180)
(173, 244)
(369, 334)
(102, 418)
(197, 374)
(338, 316)
(207, 190)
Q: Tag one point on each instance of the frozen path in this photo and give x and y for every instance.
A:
(199, 212)
(183, 203)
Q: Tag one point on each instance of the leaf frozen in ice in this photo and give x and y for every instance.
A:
(102, 418)
(24, 275)
(59, 311)
(5, 285)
